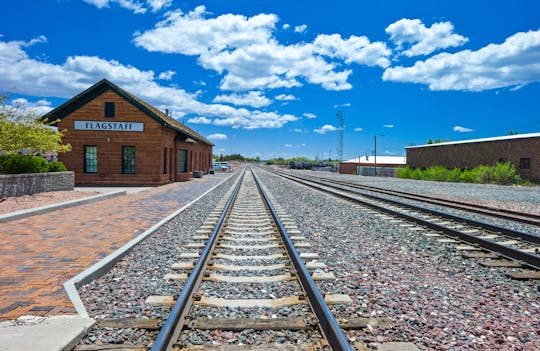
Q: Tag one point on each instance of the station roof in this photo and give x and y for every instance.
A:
(104, 85)
(389, 160)
(505, 137)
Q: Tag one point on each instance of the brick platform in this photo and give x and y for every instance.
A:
(41, 252)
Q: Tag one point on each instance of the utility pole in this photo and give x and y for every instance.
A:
(375, 152)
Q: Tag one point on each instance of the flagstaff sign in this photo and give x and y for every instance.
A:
(111, 126)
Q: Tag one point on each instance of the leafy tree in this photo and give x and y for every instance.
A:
(513, 132)
(22, 132)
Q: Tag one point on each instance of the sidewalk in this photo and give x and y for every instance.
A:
(41, 252)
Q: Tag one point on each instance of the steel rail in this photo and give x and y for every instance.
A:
(525, 258)
(329, 326)
(529, 237)
(528, 218)
(165, 338)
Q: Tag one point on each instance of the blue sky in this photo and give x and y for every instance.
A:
(266, 78)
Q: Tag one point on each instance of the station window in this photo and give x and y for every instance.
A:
(110, 109)
(164, 160)
(182, 161)
(90, 159)
(128, 159)
(525, 163)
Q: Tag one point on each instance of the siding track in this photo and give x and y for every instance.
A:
(519, 247)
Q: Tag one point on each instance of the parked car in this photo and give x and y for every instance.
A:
(220, 166)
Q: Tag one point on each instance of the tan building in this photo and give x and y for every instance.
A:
(523, 150)
(118, 139)
(366, 165)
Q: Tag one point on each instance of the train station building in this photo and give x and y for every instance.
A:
(118, 139)
(523, 150)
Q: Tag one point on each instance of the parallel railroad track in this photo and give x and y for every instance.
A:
(527, 218)
(244, 275)
(522, 249)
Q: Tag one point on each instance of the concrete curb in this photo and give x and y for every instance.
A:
(49, 208)
(104, 265)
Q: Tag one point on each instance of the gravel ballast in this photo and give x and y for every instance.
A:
(434, 297)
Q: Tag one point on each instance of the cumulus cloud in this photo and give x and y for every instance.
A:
(286, 26)
(297, 130)
(461, 129)
(38, 108)
(420, 40)
(309, 115)
(200, 120)
(347, 104)
(358, 129)
(253, 98)
(38, 40)
(245, 51)
(300, 29)
(37, 78)
(217, 136)
(326, 128)
(388, 126)
(286, 97)
(287, 145)
(133, 5)
(355, 49)
(514, 63)
(167, 75)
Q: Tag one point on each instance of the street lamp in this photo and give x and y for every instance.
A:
(375, 151)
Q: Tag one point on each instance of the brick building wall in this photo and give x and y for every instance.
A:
(156, 146)
(471, 154)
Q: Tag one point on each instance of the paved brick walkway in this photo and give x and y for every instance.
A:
(39, 253)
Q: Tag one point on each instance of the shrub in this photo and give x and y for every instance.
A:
(505, 173)
(436, 173)
(483, 174)
(404, 172)
(56, 166)
(467, 176)
(15, 164)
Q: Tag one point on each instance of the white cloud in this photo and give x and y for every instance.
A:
(132, 5)
(167, 75)
(388, 126)
(423, 40)
(287, 145)
(358, 129)
(300, 29)
(326, 128)
(286, 97)
(37, 78)
(514, 63)
(253, 98)
(245, 51)
(200, 120)
(217, 136)
(38, 40)
(286, 26)
(39, 107)
(347, 104)
(304, 145)
(297, 130)
(309, 115)
(461, 129)
(355, 49)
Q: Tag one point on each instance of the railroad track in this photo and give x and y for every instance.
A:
(502, 247)
(245, 275)
(527, 218)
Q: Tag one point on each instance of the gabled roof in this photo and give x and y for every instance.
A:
(506, 137)
(104, 85)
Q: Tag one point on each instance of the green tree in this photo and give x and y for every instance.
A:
(22, 131)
